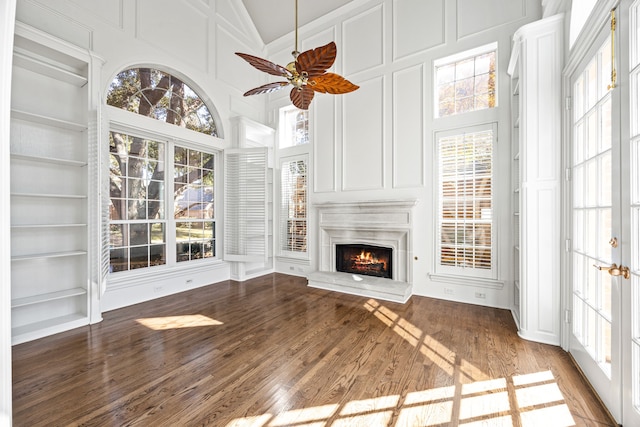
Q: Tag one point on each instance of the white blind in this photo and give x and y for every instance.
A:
(465, 231)
(245, 207)
(293, 210)
(99, 201)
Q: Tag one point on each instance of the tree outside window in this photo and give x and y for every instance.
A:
(138, 179)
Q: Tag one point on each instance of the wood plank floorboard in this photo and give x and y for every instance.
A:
(273, 352)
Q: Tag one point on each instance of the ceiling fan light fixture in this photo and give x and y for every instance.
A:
(307, 73)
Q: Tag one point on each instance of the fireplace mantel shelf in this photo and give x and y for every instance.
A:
(367, 286)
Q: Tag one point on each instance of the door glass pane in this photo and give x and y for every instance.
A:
(592, 208)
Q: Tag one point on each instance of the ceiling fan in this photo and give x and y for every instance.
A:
(307, 73)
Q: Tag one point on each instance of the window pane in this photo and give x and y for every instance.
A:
(294, 206)
(162, 96)
(294, 127)
(466, 200)
(466, 85)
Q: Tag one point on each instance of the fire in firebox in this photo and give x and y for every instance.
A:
(364, 259)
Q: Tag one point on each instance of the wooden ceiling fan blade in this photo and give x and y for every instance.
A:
(332, 83)
(301, 97)
(317, 61)
(265, 65)
(268, 88)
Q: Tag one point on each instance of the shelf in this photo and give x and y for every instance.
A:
(49, 196)
(26, 226)
(49, 121)
(64, 162)
(50, 221)
(51, 296)
(23, 59)
(48, 255)
(47, 327)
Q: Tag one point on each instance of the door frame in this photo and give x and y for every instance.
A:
(598, 21)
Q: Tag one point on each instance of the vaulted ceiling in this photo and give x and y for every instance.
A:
(275, 18)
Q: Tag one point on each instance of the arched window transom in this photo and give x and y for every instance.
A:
(162, 96)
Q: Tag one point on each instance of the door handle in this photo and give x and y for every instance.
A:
(614, 270)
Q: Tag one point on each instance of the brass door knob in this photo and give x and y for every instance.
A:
(614, 270)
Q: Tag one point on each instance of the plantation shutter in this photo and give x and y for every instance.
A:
(293, 208)
(465, 229)
(99, 201)
(245, 205)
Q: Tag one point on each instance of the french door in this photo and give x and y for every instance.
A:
(603, 161)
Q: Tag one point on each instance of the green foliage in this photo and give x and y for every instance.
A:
(157, 94)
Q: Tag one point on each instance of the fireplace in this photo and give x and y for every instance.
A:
(383, 227)
(368, 260)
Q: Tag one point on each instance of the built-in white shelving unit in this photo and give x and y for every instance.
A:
(535, 69)
(49, 186)
(249, 206)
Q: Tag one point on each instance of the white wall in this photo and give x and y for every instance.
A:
(377, 142)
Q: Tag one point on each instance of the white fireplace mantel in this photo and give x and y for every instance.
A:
(385, 223)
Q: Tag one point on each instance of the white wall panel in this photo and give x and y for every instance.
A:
(232, 69)
(107, 11)
(363, 123)
(474, 16)
(324, 143)
(319, 39)
(408, 127)
(204, 3)
(243, 107)
(156, 20)
(54, 23)
(229, 14)
(417, 25)
(364, 41)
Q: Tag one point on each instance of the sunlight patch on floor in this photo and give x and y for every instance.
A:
(178, 322)
(529, 400)
(304, 416)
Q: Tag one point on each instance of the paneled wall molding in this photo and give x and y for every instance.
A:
(43, 16)
(150, 16)
(233, 16)
(417, 26)
(110, 12)
(363, 40)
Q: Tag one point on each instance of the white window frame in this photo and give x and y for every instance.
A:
(464, 272)
(460, 56)
(283, 217)
(287, 137)
(133, 124)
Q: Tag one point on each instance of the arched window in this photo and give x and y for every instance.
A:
(161, 188)
(164, 97)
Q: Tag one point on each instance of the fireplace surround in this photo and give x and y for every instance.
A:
(384, 223)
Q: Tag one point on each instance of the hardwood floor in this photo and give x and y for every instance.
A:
(274, 352)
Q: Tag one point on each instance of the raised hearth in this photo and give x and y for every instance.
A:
(385, 223)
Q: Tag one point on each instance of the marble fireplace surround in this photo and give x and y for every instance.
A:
(385, 223)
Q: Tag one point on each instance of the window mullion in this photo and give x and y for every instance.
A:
(170, 227)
